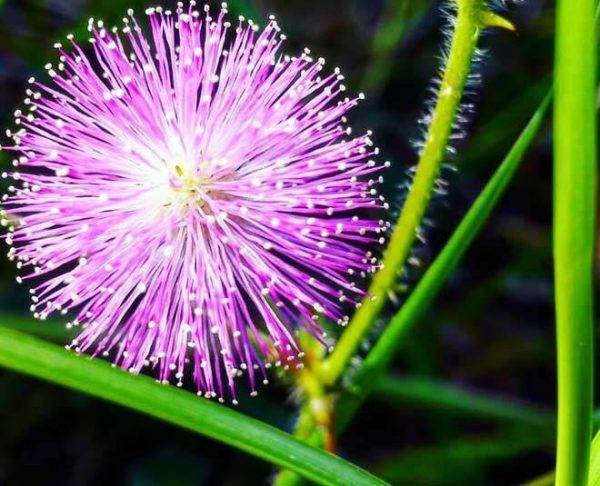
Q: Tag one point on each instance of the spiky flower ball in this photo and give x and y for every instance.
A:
(193, 195)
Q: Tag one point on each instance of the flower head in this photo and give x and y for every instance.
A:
(192, 195)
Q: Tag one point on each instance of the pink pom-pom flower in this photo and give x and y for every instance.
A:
(193, 195)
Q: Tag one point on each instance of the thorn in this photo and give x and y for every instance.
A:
(491, 19)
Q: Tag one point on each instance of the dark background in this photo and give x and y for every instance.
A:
(491, 329)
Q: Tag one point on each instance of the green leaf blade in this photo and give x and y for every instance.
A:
(50, 362)
(594, 473)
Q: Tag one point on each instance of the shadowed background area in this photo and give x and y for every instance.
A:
(491, 332)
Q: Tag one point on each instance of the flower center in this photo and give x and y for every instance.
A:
(188, 189)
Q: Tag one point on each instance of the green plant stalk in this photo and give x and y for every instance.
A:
(51, 362)
(433, 280)
(445, 264)
(469, 22)
(472, 16)
(594, 470)
(316, 411)
(573, 233)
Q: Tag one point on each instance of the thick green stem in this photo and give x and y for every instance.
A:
(472, 16)
(574, 230)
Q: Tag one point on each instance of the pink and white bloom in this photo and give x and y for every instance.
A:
(192, 195)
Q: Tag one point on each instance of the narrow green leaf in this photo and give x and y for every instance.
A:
(574, 233)
(444, 265)
(50, 362)
(594, 475)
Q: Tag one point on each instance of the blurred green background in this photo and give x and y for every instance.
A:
(491, 330)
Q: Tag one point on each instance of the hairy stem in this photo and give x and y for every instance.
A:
(421, 298)
(472, 17)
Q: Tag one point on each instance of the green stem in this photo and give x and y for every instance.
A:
(443, 266)
(574, 230)
(316, 411)
(471, 17)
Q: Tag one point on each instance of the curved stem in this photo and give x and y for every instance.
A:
(420, 300)
(472, 16)
(443, 266)
(574, 230)
(441, 269)
(317, 410)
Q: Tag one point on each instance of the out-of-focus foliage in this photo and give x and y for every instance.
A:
(491, 329)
